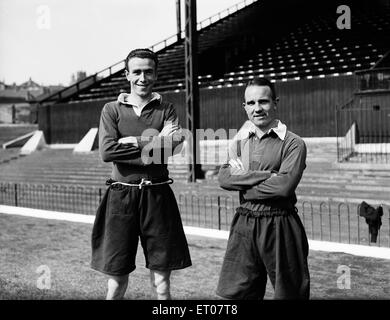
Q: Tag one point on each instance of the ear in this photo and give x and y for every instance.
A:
(276, 101)
(127, 75)
(243, 104)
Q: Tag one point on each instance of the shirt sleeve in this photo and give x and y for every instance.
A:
(177, 139)
(160, 148)
(285, 182)
(234, 179)
(109, 148)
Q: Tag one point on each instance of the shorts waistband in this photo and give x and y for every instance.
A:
(140, 183)
(272, 212)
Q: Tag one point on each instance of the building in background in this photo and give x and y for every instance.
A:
(16, 101)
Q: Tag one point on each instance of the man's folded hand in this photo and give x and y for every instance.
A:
(169, 130)
(128, 140)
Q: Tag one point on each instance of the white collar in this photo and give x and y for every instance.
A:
(248, 128)
(127, 98)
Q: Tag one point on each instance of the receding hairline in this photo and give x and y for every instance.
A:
(273, 95)
(263, 82)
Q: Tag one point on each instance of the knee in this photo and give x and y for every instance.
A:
(118, 281)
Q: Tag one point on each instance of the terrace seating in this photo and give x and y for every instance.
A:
(171, 60)
(10, 132)
(318, 49)
(7, 155)
(234, 49)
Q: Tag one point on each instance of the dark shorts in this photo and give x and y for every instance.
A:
(273, 244)
(126, 214)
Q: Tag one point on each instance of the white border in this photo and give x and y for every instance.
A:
(358, 250)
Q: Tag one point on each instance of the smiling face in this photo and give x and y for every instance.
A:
(260, 106)
(142, 75)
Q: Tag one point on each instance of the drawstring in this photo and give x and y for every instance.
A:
(144, 182)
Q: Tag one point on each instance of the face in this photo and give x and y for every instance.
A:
(259, 106)
(142, 75)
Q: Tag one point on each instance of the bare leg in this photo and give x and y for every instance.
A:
(117, 286)
(161, 284)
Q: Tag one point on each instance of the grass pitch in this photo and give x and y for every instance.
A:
(64, 247)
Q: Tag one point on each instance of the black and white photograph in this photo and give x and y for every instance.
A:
(220, 154)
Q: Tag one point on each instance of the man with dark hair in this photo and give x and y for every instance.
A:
(137, 133)
(143, 54)
(266, 236)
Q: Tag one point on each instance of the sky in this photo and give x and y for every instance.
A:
(49, 40)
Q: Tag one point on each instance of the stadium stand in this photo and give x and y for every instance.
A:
(236, 48)
(320, 181)
(246, 43)
(9, 133)
(295, 43)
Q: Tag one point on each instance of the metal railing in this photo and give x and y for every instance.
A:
(224, 13)
(326, 220)
(363, 129)
(374, 79)
(106, 72)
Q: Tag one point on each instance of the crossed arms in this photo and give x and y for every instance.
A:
(259, 184)
(137, 150)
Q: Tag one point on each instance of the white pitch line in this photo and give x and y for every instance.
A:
(355, 249)
(211, 233)
(46, 214)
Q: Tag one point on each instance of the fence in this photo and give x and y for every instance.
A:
(327, 221)
(363, 123)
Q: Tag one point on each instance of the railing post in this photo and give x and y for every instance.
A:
(219, 212)
(339, 220)
(321, 220)
(337, 134)
(100, 195)
(178, 19)
(16, 194)
(388, 243)
(358, 227)
(330, 222)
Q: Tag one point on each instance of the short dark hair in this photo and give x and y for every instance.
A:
(262, 81)
(143, 54)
